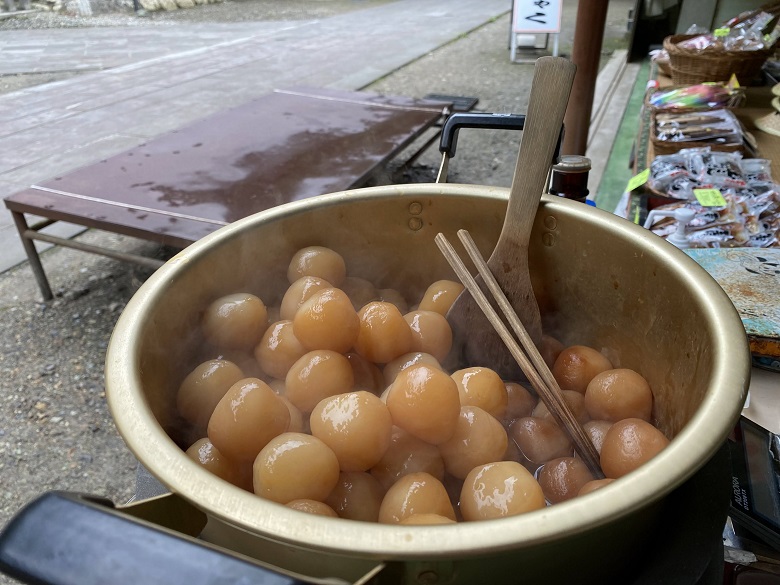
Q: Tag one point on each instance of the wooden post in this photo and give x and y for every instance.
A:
(585, 54)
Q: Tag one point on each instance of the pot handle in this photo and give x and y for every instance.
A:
(63, 538)
(449, 131)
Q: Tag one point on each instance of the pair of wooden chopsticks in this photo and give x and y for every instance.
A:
(530, 360)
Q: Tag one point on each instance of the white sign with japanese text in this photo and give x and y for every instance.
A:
(537, 16)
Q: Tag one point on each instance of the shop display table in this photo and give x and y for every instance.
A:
(175, 189)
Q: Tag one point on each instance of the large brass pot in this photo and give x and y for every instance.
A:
(601, 281)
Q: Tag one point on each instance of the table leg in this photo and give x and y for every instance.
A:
(32, 255)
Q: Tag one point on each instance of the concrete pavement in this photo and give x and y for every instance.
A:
(162, 78)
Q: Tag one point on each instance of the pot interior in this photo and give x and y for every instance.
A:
(600, 281)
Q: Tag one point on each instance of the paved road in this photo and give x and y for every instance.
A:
(95, 49)
(163, 78)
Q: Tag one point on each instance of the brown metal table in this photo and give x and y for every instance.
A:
(285, 146)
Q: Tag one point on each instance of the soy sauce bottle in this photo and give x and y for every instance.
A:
(570, 177)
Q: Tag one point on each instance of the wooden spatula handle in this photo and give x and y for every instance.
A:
(553, 77)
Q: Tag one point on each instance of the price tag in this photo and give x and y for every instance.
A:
(709, 197)
(638, 180)
(721, 32)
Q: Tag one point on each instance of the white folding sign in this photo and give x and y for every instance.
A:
(537, 16)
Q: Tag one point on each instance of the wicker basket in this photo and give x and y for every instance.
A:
(690, 67)
(664, 66)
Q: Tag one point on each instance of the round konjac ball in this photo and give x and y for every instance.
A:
(498, 490)
(295, 466)
(594, 485)
(360, 290)
(317, 261)
(520, 401)
(384, 334)
(577, 365)
(312, 507)
(297, 423)
(597, 430)
(478, 439)
(356, 426)
(249, 415)
(416, 493)
(629, 444)
(357, 496)
(235, 321)
(440, 296)
(617, 394)
(575, 402)
(244, 359)
(561, 479)
(405, 361)
(278, 350)
(431, 333)
(327, 320)
(298, 293)
(208, 456)
(424, 401)
(203, 388)
(315, 376)
(482, 387)
(367, 375)
(540, 439)
(550, 348)
(407, 454)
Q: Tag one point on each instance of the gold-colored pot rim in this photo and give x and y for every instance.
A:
(692, 447)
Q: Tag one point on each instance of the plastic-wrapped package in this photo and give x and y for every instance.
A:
(747, 35)
(764, 239)
(750, 214)
(682, 187)
(720, 169)
(725, 236)
(696, 29)
(704, 217)
(719, 126)
(756, 170)
(665, 168)
(756, 199)
(704, 42)
(671, 174)
(699, 96)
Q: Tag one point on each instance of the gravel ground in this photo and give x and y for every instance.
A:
(55, 429)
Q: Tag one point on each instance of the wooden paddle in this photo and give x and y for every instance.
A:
(474, 339)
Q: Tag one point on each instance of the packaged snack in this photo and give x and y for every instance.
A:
(718, 126)
(718, 168)
(666, 168)
(763, 239)
(700, 43)
(700, 96)
(682, 187)
(756, 170)
(725, 236)
(704, 217)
